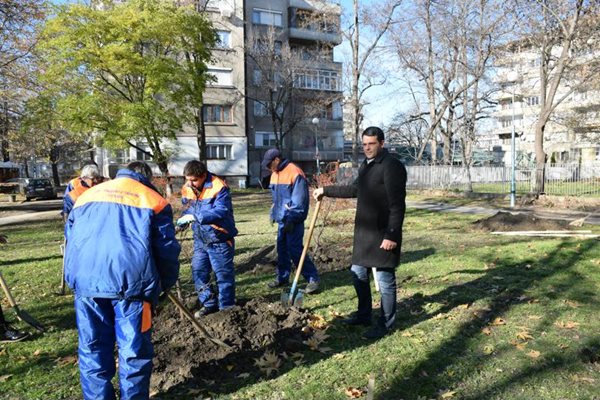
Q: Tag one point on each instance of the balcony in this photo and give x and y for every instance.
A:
(310, 35)
(326, 155)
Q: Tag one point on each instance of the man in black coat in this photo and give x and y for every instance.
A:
(380, 190)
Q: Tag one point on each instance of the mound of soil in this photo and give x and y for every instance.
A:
(184, 357)
(508, 222)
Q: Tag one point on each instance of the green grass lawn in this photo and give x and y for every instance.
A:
(479, 316)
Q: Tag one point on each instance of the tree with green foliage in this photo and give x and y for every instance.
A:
(122, 73)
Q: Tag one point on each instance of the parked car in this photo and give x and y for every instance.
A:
(33, 188)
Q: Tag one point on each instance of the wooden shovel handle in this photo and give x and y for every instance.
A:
(311, 228)
(11, 299)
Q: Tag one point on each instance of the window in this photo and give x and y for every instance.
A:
(119, 156)
(266, 17)
(536, 62)
(142, 156)
(317, 79)
(260, 109)
(218, 152)
(264, 139)
(222, 76)
(533, 100)
(223, 39)
(257, 77)
(217, 113)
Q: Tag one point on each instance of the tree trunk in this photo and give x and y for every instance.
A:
(200, 136)
(54, 158)
(540, 159)
(164, 169)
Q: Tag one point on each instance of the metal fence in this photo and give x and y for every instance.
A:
(561, 179)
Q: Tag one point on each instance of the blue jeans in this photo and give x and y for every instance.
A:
(102, 322)
(289, 248)
(387, 287)
(217, 257)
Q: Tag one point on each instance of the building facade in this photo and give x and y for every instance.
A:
(573, 133)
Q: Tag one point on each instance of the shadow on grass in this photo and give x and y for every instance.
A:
(502, 294)
(32, 259)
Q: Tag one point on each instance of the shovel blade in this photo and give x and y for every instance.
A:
(285, 298)
(299, 299)
(28, 319)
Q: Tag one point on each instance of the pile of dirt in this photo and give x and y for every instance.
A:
(509, 222)
(327, 258)
(184, 358)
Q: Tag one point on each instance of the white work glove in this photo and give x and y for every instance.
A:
(186, 219)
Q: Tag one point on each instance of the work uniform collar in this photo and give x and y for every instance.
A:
(208, 181)
(282, 164)
(127, 173)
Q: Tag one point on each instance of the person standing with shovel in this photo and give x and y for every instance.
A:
(290, 208)
(380, 190)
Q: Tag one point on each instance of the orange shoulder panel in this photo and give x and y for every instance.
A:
(188, 193)
(124, 191)
(217, 185)
(288, 175)
(77, 191)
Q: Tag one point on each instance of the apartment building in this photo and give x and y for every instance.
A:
(572, 135)
(308, 29)
(239, 127)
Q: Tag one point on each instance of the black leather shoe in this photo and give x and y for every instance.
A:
(355, 321)
(277, 284)
(376, 332)
(11, 335)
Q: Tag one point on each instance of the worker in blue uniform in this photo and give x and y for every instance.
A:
(207, 206)
(121, 253)
(289, 189)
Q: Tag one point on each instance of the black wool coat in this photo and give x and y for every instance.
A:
(381, 191)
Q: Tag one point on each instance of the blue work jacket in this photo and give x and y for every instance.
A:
(212, 209)
(121, 241)
(290, 193)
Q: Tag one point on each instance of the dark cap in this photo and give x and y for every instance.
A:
(270, 155)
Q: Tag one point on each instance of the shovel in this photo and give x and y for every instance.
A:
(62, 275)
(195, 322)
(22, 315)
(291, 298)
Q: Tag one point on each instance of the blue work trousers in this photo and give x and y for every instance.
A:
(100, 324)
(217, 257)
(289, 248)
(386, 277)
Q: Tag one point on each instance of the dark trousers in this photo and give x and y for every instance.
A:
(217, 257)
(289, 248)
(387, 288)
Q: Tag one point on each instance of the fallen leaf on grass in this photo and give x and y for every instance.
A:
(486, 331)
(407, 334)
(335, 314)
(4, 378)
(585, 379)
(339, 356)
(423, 373)
(567, 325)
(243, 375)
(533, 301)
(571, 303)
(268, 363)
(488, 350)
(464, 306)
(448, 394)
(62, 361)
(498, 321)
(354, 393)
(194, 391)
(563, 346)
(518, 345)
(317, 322)
(534, 354)
(534, 317)
(524, 335)
(230, 367)
(37, 352)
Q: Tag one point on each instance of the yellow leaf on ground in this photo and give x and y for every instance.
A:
(498, 321)
(230, 367)
(488, 350)
(534, 317)
(448, 394)
(4, 378)
(518, 345)
(407, 334)
(585, 379)
(567, 325)
(353, 393)
(486, 331)
(62, 361)
(524, 335)
(563, 346)
(534, 354)
(571, 303)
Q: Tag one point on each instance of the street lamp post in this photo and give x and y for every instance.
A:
(315, 122)
(513, 77)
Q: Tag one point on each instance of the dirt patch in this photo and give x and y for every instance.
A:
(327, 258)
(508, 222)
(186, 360)
(569, 203)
